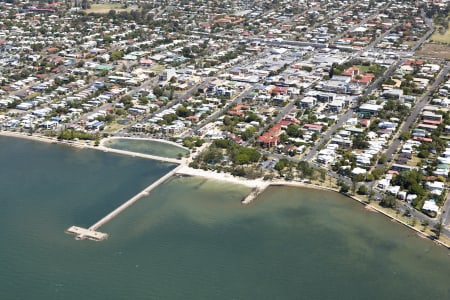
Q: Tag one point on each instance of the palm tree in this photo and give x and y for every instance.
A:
(424, 225)
(438, 228)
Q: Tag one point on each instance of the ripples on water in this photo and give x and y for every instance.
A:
(147, 147)
(191, 238)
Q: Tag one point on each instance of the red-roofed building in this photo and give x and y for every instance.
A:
(238, 110)
(352, 71)
(235, 113)
(364, 79)
(52, 50)
(432, 122)
(266, 140)
(288, 121)
(145, 62)
(241, 107)
(271, 137)
(313, 127)
(412, 62)
(364, 122)
(393, 172)
(238, 140)
(423, 139)
(194, 119)
(281, 90)
(275, 129)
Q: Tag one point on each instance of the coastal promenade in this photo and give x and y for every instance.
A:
(141, 155)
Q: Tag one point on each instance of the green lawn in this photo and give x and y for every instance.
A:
(362, 69)
(441, 38)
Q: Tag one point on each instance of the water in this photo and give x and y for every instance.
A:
(147, 147)
(191, 239)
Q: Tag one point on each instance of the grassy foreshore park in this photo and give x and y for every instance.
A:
(259, 184)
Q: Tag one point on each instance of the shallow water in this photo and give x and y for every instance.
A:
(191, 238)
(147, 147)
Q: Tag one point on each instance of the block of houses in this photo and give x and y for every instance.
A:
(429, 117)
(313, 127)
(369, 109)
(336, 105)
(393, 93)
(308, 102)
(430, 205)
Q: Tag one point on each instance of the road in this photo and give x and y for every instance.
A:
(407, 125)
(362, 22)
(236, 100)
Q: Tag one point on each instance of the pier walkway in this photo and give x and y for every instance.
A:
(92, 233)
(142, 155)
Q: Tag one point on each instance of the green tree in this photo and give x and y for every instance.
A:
(344, 188)
(424, 225)
(362, 190)
(280, 165)
(227, 121)
(158, 92)
(293, 130)
(248, 133)
(116, 55)
(183, 112)
(438, 228)
(405, 135)
(389, 201)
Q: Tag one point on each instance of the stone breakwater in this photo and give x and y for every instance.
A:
(253, 195)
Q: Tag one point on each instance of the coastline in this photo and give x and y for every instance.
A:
(258, 185)
(88, 145)
(45, 139)
(367, 206)
(141, 139)
(252, 183)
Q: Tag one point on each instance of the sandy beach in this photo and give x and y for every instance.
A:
(88, 145)
(47, 139)
(253, 183)
(27, 136)
(105, 140)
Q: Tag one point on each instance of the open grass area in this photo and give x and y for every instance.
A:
(409, 43)
(104, 8)
(414, 161)
(362, 69)
(441, 51)
(440, 37)
(114, 127)
(157, 68)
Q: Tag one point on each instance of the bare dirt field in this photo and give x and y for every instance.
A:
(441, 51)
(106, 7)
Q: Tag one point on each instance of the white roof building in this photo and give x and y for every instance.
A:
(430, 205)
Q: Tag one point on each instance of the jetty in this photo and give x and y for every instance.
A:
(85, 233)
(141, 155)
(92, 232)
(253, 194)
